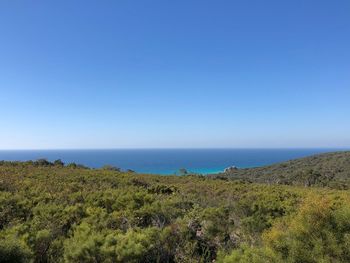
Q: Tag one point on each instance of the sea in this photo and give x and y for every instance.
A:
(166, 161)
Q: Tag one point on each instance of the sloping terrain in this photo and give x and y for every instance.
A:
(325, 170)
(50, 212)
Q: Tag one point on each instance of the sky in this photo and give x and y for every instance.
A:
(174, 74)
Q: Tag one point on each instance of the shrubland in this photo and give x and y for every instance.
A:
(330, 170)
(51, 212)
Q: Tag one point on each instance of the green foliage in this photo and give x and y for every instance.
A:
(13, 250)
(323, 170)
(319, 232)
(247, 254)
(51, 212)
(110, 168)
(58, 162)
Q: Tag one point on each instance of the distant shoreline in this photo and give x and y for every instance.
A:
(167, 161)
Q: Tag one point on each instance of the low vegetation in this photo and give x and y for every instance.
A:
(330, 170)
(51, 212)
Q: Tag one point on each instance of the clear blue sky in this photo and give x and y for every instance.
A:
(143, 74)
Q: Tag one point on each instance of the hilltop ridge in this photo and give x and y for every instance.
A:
(325, 170)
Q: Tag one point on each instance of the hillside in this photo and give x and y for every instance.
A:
(50, 212)
(324, 170)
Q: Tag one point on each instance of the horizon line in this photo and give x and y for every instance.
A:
(178, 148)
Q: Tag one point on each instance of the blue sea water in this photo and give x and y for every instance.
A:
(166, 161)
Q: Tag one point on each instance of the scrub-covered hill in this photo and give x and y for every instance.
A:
(329, 169)
(55, 213)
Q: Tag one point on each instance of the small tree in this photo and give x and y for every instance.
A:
(58, 162)
(72, 165)
(42, 162)
(111, 168)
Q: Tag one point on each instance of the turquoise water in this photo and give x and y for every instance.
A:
(166, 161)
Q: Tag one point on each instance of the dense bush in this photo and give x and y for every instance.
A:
(323, 170)
(58, 213)
(319, 232)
